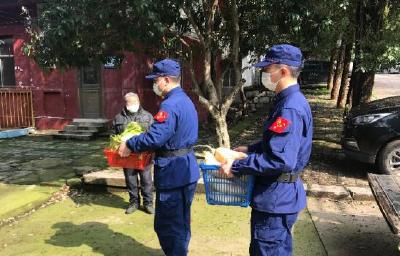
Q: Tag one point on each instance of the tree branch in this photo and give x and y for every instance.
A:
(211, 17)
(236, 32)
(193, 23)
(210, 107)
(228, 102)
(236, 63)
(193, 77)
(220, 82)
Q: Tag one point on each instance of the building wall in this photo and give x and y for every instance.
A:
(56, 93)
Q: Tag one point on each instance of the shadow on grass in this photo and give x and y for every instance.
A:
(104, 198)
(100, 238)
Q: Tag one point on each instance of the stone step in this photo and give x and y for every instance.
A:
(70, 127)
(114, 177)
(73, 136)
(105, 134)
(88, 125)
(83, 129)
(109, 177)
(89, 120)
(83, 123)
(86, 129)
(77, 132)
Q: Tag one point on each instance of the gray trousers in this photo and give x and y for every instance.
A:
(146, 185)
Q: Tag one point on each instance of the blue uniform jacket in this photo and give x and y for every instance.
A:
(285, 148)
(175, 127)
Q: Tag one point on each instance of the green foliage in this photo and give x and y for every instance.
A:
(76, 32)
(379, 38)
(312, 25)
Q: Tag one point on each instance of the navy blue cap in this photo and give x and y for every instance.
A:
(166, 67)
(282, 54)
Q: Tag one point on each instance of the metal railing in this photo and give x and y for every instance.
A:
(16, 109)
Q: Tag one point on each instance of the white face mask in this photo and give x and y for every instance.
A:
(157, 90)
(133, 108)
(266, 81)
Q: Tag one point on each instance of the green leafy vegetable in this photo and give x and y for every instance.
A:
(132, 129)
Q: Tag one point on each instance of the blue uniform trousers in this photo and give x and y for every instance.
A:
(172, 219)
(271, 234)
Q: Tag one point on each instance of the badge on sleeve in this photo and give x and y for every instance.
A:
(161, 116)
(280, 125)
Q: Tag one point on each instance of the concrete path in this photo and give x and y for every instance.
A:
(349, 228)
(386, 85)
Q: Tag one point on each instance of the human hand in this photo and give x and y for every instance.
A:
(123, 150)
(226, 168)
(243, 149)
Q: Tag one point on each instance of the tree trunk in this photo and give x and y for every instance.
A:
(349, 96)
(222, 130)
(362, 87)
(213, 99)
(331, 72)
(369, 24)
(338, 72)
(344, 86)
(243, 100)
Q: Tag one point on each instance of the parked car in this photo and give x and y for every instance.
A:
(391, 70)
(371, 134)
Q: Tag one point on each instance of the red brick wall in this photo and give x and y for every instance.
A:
(56, 93)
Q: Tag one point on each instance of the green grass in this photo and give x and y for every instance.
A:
(95, 224)
(18, 199)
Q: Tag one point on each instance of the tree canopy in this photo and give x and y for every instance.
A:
(73, 33)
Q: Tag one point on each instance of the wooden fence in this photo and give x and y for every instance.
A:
(16, 109)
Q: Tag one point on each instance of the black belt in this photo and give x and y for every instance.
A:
(287, 177)
(284, 178)
(176, 152)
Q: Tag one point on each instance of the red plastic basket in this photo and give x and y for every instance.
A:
(134, 161)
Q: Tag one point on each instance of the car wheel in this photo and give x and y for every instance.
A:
(388, 160)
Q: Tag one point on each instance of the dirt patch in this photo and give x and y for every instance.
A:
(328, 164)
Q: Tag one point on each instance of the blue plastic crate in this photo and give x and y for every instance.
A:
(221, 190)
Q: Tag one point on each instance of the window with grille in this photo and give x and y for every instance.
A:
(7, 73)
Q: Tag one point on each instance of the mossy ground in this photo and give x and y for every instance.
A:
(31, 169)
(95, 224)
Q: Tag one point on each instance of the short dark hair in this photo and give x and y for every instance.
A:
(175, 79)
(294, 71)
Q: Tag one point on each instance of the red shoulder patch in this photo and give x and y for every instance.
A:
(161, 116)
(280, 125)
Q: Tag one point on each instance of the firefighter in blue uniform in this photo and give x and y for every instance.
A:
(279, 157)
(171, 137)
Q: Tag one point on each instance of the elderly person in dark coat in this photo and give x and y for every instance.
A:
(133, 112)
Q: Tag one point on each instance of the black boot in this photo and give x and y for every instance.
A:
(148, 208)
(131, 208)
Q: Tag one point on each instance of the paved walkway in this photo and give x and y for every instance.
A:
(33, 168)
(386, 85)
